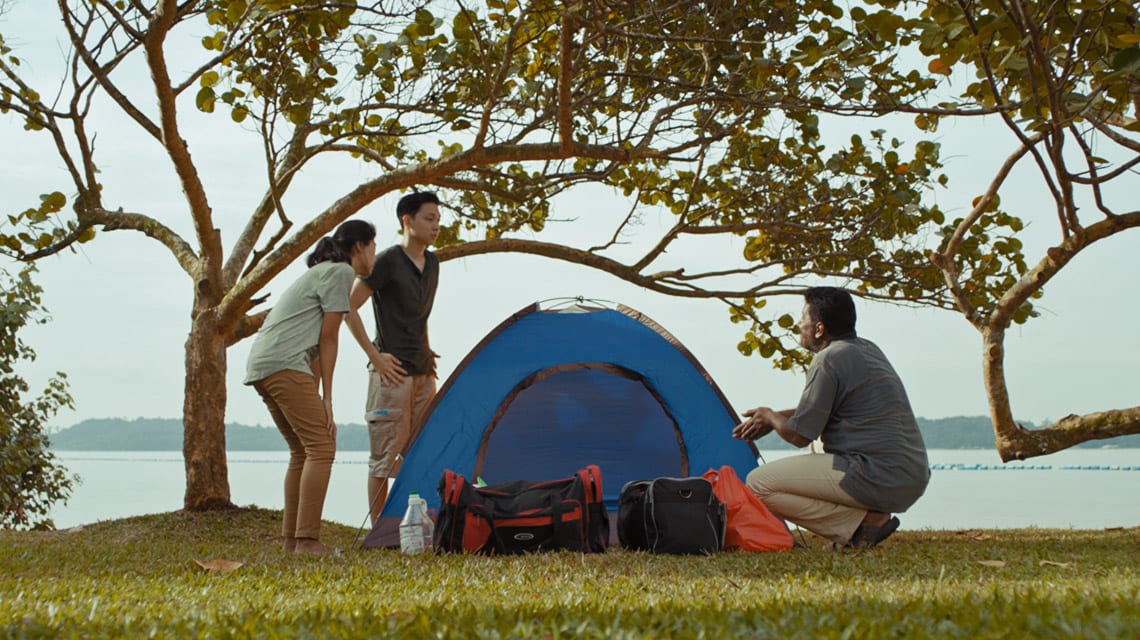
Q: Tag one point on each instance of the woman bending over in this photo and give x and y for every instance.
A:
(291, 366)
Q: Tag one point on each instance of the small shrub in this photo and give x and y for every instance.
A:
(31, 480)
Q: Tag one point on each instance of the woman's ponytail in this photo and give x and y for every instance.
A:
(325, 251)
(338, 247)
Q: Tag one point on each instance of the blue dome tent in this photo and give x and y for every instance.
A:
(553, 389)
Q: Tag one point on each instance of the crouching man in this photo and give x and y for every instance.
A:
(874, 462)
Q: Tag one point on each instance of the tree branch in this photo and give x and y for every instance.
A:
(100, 73)
(565, 76)
(1055, 259)
(945, 259)
(424, 173)
(207, 283)
(500, 77)
(119, 220)
(246, 327)
(1015, 442)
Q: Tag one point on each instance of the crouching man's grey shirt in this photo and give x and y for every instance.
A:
(855, 402)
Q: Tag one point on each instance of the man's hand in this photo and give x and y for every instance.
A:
(389, 368)
(758, 422)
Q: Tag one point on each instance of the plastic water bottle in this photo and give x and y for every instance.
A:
(428, 526)
(416, 529)
(411, 527)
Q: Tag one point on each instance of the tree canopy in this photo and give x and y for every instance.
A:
(1065, 80)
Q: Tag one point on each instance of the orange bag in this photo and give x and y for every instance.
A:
(749, 525)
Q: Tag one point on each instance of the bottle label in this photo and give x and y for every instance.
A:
(411, 539)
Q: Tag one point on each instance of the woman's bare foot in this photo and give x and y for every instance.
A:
(313, 546)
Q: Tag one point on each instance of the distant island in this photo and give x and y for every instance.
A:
(165, 434)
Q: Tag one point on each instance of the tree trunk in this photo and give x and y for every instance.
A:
(993, 375)
(203, 417)
(1015, 442)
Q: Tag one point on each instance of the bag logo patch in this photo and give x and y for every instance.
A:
(524, 537)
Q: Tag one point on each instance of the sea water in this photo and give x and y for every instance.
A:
(969, 488)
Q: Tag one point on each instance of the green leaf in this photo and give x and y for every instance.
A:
(1127, 60)
(205, 100)
(54, 201)
(235, 9)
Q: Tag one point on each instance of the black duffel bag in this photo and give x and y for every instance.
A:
(671, 515)
(522, 516)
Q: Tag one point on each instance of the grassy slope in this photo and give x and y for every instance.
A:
(136, 577)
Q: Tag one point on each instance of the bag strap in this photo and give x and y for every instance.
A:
(446, 527)
(591, 477)
(453, 487)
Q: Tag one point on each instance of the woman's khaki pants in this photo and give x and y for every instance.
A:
(295, 404)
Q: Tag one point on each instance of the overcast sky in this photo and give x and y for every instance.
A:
(120, 305)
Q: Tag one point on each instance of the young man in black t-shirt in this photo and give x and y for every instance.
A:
(401, 364)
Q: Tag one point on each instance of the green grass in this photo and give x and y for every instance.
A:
(137, 578)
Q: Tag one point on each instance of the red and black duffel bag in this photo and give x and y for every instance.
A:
(522, 516)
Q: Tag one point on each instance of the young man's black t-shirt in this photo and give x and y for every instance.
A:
(402, 298)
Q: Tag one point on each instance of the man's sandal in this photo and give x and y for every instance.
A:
(867, 536)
